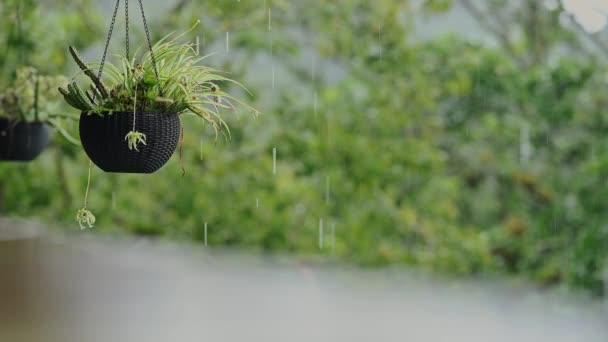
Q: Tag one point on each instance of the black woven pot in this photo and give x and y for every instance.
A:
(103, 139)
(22, 141)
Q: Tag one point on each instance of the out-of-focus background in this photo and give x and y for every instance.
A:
(463, 139)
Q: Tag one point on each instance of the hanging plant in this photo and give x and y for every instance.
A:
(130, 115)
(27, 108)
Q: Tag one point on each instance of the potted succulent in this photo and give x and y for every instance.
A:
(130, 119)
(27, 108)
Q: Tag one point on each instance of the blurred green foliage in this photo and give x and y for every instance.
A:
(445, 154)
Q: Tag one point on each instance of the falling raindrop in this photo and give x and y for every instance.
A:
(202, 149)
(257, 202)
(271, 39)
(274, 160)
(198, 46)
(606, 283)
(269, 19)
(380, 42)
(271, 42)
(113, 200)
(321, 233)
(333, 238)
(227, 42)
(315, 100)
(327, 184)
(525, 147)
(205, 234)
(553, 219)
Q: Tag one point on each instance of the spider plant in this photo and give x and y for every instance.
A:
(169, 79)
(183, 86)
(31, 98)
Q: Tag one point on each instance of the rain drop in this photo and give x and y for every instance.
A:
(205, 234)
(525, 147)
(274, 160)
(269, 19)
(315, 100)
(321, 233)
(202, 149)
(333, 238)
(327, 185)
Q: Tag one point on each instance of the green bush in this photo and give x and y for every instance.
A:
(443, 154)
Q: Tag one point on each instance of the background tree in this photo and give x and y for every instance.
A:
(444, 154)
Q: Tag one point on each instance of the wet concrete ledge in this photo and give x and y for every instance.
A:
(85, 288)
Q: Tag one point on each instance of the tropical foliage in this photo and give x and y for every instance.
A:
(436, 152)
(181, 85)
(31, 97)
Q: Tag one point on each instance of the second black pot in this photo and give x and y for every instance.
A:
(22, 141)
(103, 139)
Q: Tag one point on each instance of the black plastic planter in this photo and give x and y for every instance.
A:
(22, 141)
(103, 139)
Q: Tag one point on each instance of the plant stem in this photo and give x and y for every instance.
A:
(135, 105)
(36, 95)
(86, 193)
(62, 179)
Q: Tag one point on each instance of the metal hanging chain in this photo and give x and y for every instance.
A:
(127, 28)
(20, 53)
(143, 16)
(105, 51)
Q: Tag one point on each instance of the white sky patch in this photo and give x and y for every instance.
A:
(591, 14)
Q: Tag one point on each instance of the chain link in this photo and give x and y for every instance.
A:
(20, 53)
(143, 16)
(105, 51)
(127, 28)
